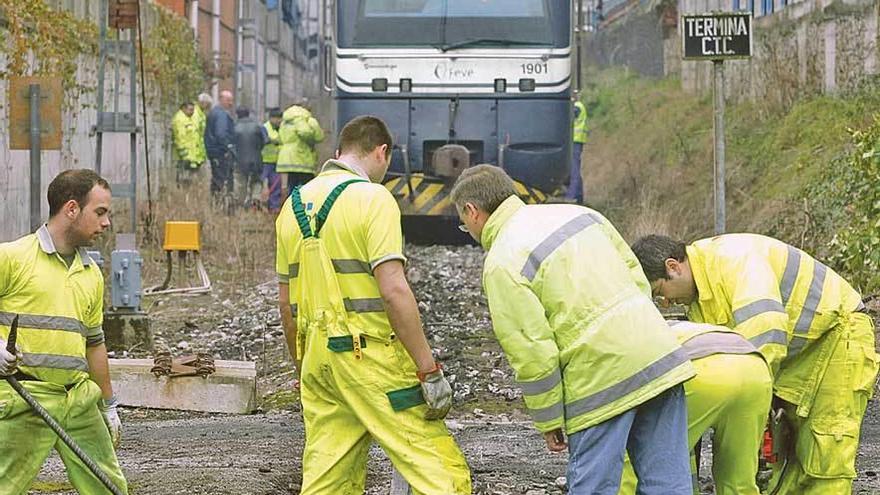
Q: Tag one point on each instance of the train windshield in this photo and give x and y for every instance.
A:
(452, 24)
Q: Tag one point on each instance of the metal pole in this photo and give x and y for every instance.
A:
(132, 106)
(99, 140)
(720, 213)
(36, 177)
(579, 39)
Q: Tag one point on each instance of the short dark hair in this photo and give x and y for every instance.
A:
(363, 134)
(653, 251)
(275, 112)
(186, 104)
(73, 184)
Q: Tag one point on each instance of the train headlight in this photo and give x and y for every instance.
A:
(526, 85)
(405, 85)
(500, 85)
(380, 84)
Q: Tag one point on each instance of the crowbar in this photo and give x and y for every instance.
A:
(44, 415)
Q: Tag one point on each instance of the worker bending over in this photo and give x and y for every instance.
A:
(808, 323)
(49, 280)
(730, 394)
(592, 354)
(353, 328)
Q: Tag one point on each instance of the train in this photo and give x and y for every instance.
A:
(459, 83)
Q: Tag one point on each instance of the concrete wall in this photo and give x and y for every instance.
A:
(808, 47)
(78, 144)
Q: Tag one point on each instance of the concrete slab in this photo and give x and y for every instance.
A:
(230, 389)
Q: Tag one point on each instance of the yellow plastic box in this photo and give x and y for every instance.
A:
(182, 236)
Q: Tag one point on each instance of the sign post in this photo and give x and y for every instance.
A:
(717, 37)
(35, 125)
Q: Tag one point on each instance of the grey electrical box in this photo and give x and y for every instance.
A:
(96, 257)
(125, 274)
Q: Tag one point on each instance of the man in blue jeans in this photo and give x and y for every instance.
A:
(573, 312)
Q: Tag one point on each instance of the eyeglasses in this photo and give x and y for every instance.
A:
(464, 229)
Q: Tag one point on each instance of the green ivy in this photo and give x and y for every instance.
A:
(846, 200)
(171, 58)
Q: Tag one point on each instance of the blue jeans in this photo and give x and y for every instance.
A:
(274, 180)
(576, 183)
(655, 436)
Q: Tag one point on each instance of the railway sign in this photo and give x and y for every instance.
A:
(718, 36)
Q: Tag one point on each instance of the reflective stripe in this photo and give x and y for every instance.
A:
(650, 373)
(351, 266)
(366, 305)
(55, 361)
(94, 340)
(548, 413)
(283, 279)
(541, 385)
(789, 276)
(339, 266)
(756, 308)
(808, 312)
(796, 346)
(41, 322)
(774, 336)
(710, 343)
(553, 241)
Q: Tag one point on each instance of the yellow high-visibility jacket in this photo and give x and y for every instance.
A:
(572, 310)
(299, 133)
(775, 295)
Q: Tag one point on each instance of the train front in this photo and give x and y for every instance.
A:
(459, 82)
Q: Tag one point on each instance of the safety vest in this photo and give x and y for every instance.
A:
(60, 308)
(299, 133)
(778, 297)
(362, 231)
(579, 130)
(270, 149)
(585, 339)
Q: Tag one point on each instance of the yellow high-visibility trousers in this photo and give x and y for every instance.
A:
(26, 441)
(827, 439)
(730, 394)
(346, 406)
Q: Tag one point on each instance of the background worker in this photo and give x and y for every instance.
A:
(51, 282)
(579, 137)
(271, 180)
(730, 394)
(353, 329)
(219, 143)
(808, 323)
(188, 143)
(249, 140)
(592, 354)
(297, 158)
(200, 116)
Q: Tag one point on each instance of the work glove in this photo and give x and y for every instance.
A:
(111, 418)
(437, 393)
(8, 361)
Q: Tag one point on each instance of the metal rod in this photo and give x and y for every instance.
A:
(102, 21)
(132, 106)
(720, 213)
(36, 177)
(146, 134)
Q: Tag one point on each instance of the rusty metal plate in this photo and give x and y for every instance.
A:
(51, 95)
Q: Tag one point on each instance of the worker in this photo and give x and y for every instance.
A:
(186, 140)
(579, 137)
(220, 144)
(592, 354)
(200, 116)
(808, 323)
(271, 180)
(352, 327)
(57, 290)
(249, 140)
(730, 394)
(299, 134)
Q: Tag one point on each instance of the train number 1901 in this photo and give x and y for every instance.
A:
(535, 68)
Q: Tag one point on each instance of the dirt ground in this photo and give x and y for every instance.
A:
(166, 452)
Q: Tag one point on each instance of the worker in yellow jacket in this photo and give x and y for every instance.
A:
(297, 157)
(353, 329)
(593, 356)
(188, 143)
(55, 288)
(731, 395)
(808, 323)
